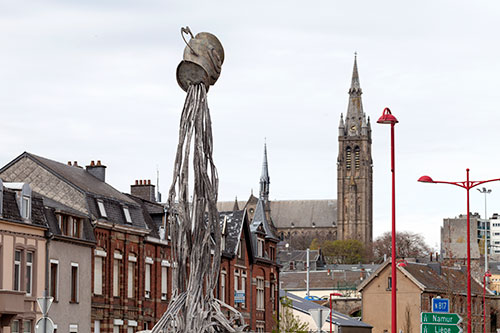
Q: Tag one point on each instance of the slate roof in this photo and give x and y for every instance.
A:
(10, 209)
(80, 178)
(295, 280)
(153, 214)
(297, 255)
(433, 277)
(51, 207)
(306, 306)
(300, 213)
(234, 225)
(259, 218)
(94, 189)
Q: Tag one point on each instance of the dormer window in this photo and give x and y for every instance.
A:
(102, 210)
(260, 247)
(26, 207)
(126, 212)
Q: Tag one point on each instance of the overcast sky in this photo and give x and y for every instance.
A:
(88, 80)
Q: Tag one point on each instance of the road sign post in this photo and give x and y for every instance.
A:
(441, 305)
(438, 328)
(432, 322)
(440, 318)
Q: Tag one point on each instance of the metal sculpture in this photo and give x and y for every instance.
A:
(194, 223)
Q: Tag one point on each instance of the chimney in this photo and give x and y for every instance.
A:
(143, 189)
(97, 170)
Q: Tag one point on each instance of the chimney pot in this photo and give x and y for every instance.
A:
(136, 182)
(140, 182)
(149, 181)
(69, 163)
(92, 163)
(75, 163)
(98, 162)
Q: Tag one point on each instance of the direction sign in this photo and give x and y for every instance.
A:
(44, 325)
(438, 328)
(441, 305)
(440, 318)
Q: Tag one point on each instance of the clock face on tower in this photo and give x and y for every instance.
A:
(353, 128)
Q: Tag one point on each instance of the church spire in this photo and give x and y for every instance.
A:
(264, 178)
(355, 75)
(355, 117)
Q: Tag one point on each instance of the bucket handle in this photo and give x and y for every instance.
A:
(186, 31)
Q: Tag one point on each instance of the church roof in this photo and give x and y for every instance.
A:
(300, 213)
(304, 213)
(259, 219)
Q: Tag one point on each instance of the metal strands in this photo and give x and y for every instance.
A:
(195, 229)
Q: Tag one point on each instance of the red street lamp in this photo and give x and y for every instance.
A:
(388, 118)
(331, 312)
(467, 185)
(486, 274)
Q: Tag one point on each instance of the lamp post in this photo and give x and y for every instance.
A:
(487, 274)
(467, 185)
(388, 118)
(485, 191)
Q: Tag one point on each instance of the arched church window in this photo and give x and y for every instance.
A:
(356, 158)
(348, 158)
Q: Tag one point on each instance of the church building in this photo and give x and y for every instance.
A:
(298, 222)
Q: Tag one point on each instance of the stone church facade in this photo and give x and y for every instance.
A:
(298, 222)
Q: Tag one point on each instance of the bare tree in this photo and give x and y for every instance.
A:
(408, 244)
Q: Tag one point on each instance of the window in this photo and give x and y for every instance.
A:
(164, 273)
(244, 285)
(74, 283)
(54, 279)
(97, 326)
(260, 293)
(223, 286)
(76, 227)
(348, 158)
(26, 207)
(116, 276)
(127, 214)
(147, 281)
(73, 328)
(131, 276)
(236, 278)
(27, 326)
(130, 329)
(29, 273)
(260, 247)
(356, 158)
(389, 283)
(116, 329)
(17, 271)
(14, 328)
(98, 275)
(102, 210)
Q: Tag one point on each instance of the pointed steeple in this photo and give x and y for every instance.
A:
(264, 178)
(236, 207)
(355, 76)
(341, 125)
(355, 116)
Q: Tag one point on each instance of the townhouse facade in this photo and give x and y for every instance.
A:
(22, 256)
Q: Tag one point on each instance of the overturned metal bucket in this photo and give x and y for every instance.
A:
(203, 58)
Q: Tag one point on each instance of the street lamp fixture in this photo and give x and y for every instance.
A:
(467, 185)
(388, 118)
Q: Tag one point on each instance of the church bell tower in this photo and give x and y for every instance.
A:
(354, 170)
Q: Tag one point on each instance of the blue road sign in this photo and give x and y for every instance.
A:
(441, 305)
